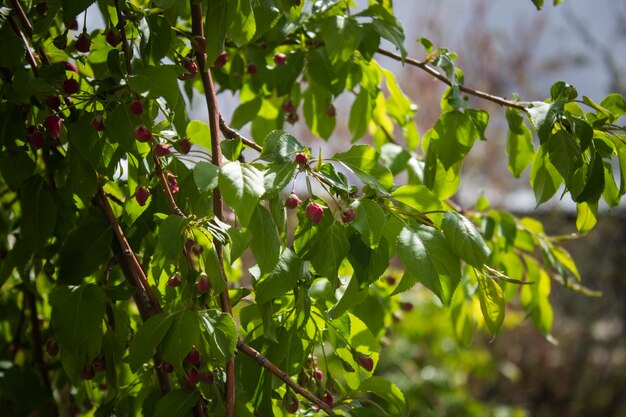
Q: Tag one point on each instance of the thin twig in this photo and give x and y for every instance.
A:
(28, 28)
(29, 54)
(520, 105)
(231, 133)
(125, 48)
(267, 364)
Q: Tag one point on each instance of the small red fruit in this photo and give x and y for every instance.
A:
(290, 402)
(53, 102)
(301, 158)
(167, 367)
(314, 212)
(136, 107)
(141, 195)
(252, 69)
(331, 111)
(365, 361)
(193, 357)
(98, 123)
(172, 182)
(348, 215)
(221, 60)
(202, 285)
(36, 139)
(207, 377)
(161, 150)
(292, 201)
(193, 377)
(318, 374)
(52, 347)
(83, 43)
(73, 25)
(185, 146)
(288, 107)
(41, 8)
(71, 67)
(53, 125)
(191, 66)
(406, 306)
(113, 37)
(71, 86)
(328, 399)
(390, 280)
(174, 281)
(142, 134)
(280, 59)
(87, 373)
(98, 364)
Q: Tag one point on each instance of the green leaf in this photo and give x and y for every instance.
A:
(565, 154)
(265, 243)
(417, 197)
(369, 221)
(72, 8)
(220, 331)
(215, 28)
(363, 161)
(427, 253)
(278, 176)
(182, 336)
(77, 314)
(280, 146)
(240, 19)
(392, 395)
(16, 168)
(360, 114)
(85, 251)
(544, 177)
(205, 176)
(543, 115)
(199, 133)
(177, 403)
(491, 300)
(586, 217)
(242, 186)
(148, 336)
(453, 136)
(171, 236)
(342, 36)
(39, 215)
(333, 248)
(538, 4)
(246, 112)
(316, 101)
(519, 146)
(464, 239)
(283, 278)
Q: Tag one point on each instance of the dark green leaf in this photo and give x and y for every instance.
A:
(280, 146)
(387, 391)
(333, 248)
(85, 251)
(215, 28)
(283, 278)
(171, 236)
(148, 336)
(220, 331)
(182, 336)
(39, 219)
(519, 146)
(464, 239)
(177, 403)
(205, 176)
(265, 243)
(363, 161)
(369, 221)
(242, 186)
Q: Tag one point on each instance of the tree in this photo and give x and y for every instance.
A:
(110, 193)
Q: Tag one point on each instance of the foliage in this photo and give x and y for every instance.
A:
(110, 192)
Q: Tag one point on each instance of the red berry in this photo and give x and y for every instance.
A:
(41, 8)
(83, 43)
(365, 361)
(288, 107)
(207, 377)
(318, 374)
(191, 66)
(406, 306)
(52, 347)
(331, 111)
(53, 125)
(290, 402)
(174, 281)
(53, 102)
(136, 107)
(172, 182)
(193, 357)
(292, 201)
(71, 86)
(390, 280)
(36, 139)
(141, 195)
(185, 146)
(113, 37)
(328, 399)
(301, 158)
(73, 25)
(193, 377)
(348, 215)
(142, 134)
(252, 69)
(167, 367)
(161, 150)
(198, 43)
(280, 59)
(98, 123)
(98, 364)
(221, 60)
(87, 373)
(202, 285)
(71, 67)
(314, 212)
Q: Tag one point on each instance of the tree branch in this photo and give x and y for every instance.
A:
(267, 364)
(125, 48)
(197, 28)
(520, 105)
(231, 133)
